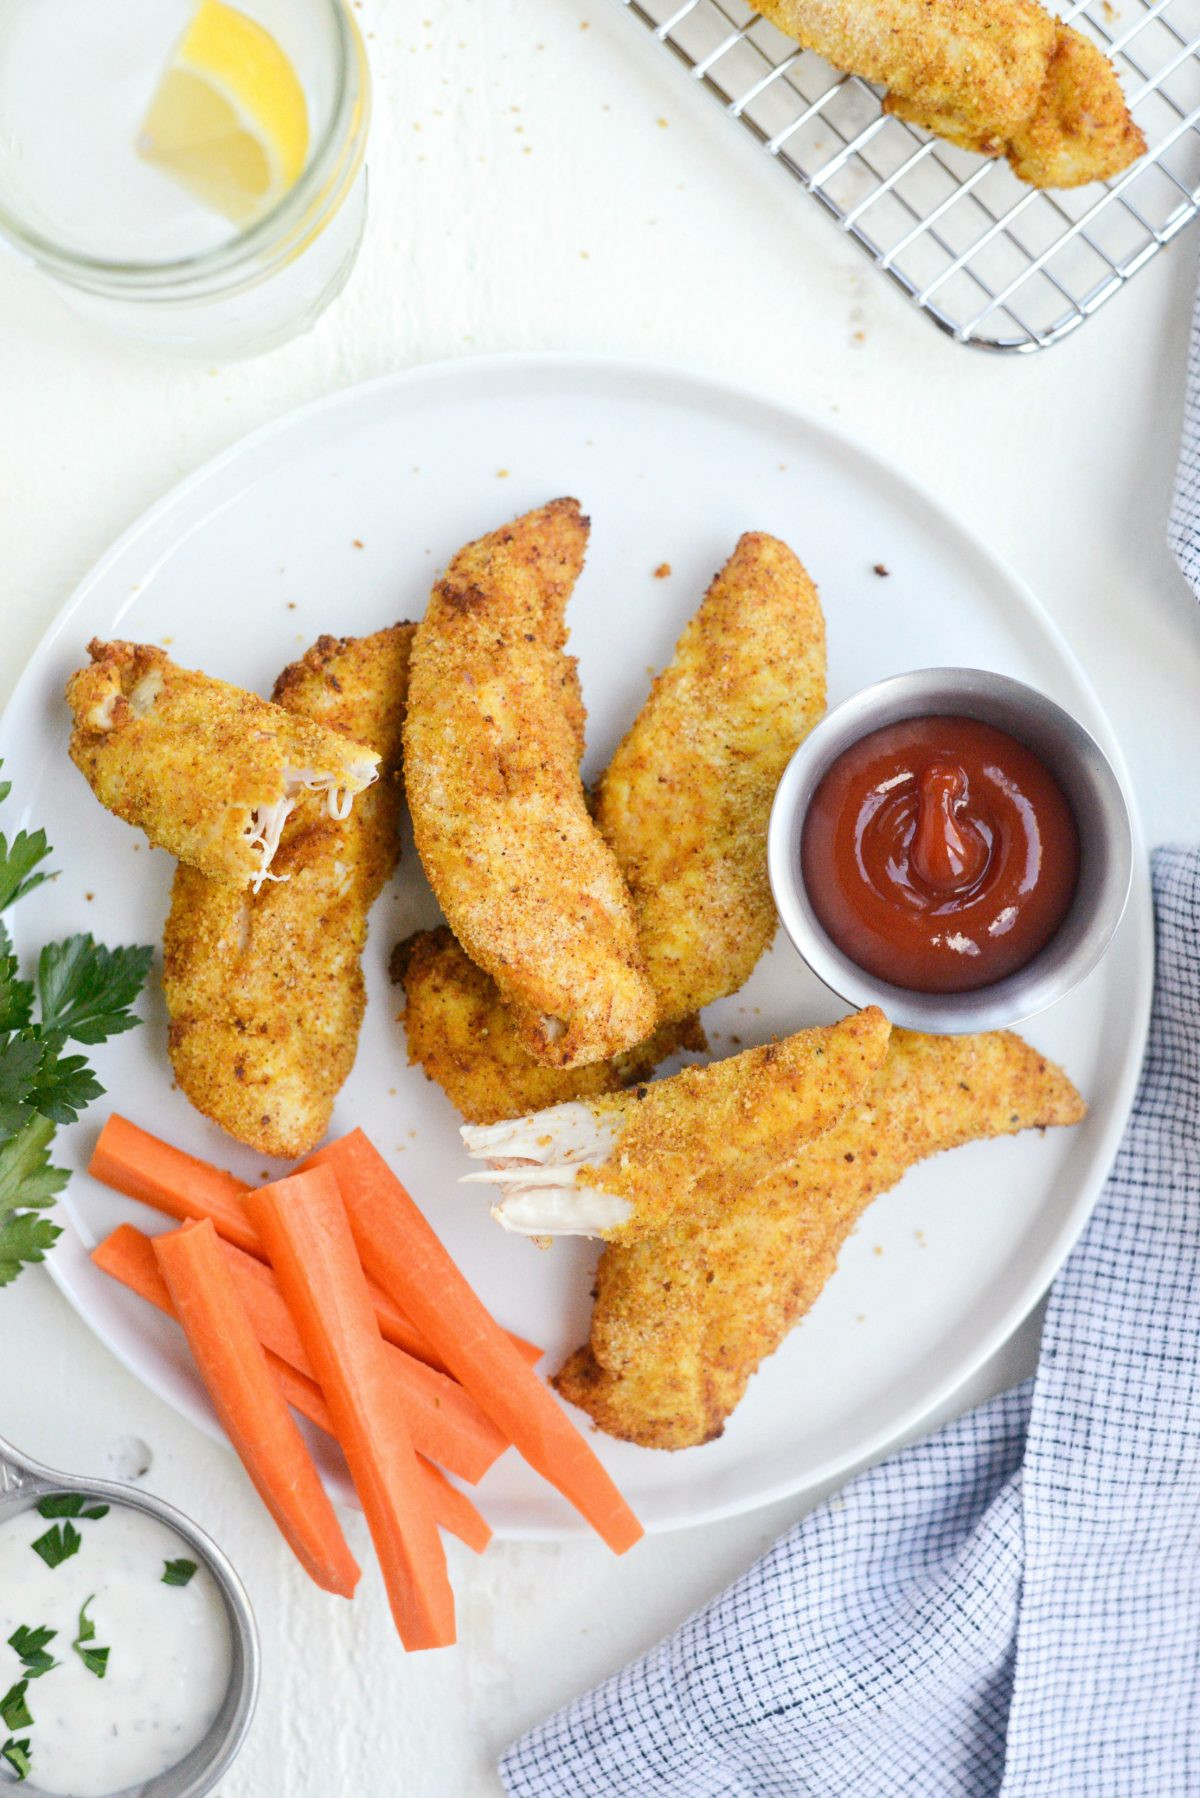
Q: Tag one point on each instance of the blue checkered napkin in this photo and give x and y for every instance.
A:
(1009, 1607)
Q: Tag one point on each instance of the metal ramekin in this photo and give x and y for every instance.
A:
(23, 1482)
(1101, 814)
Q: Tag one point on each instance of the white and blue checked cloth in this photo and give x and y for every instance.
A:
(1010, 1607)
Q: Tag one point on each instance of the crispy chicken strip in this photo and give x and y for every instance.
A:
(207, 771)
(624, 1165)
(264, 990)
(686, 798)
(1002, 77)
(683, 1318)
(685, 807)
(462, 1034)
(491, 747)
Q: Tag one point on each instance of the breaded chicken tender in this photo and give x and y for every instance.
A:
(1002, 77)
(491, 749)
(461, 1033)
(205, 770)
(686, 798)
(264, 990)
(624, 1165)
(684, 1317)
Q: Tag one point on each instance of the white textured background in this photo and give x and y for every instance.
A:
(542, 178)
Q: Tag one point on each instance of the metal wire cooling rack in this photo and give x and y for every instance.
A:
(993, 262)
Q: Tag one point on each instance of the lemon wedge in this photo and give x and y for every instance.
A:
(228, 120)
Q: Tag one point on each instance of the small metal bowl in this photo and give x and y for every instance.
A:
(1087, 779)
(22, 1483)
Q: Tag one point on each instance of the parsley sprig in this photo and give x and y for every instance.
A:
(94, 1659)
(82, 993)
(29, 1646)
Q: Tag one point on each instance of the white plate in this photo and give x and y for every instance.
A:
(336, 519)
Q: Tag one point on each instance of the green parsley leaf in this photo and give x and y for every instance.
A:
(86, 990)
(27, 1184)
(18, 860)
(94, 1659)
(17, 1756)
(58, 1544)
(178, 1573)
(5, 786)
(64, 1084)
(30, 1647)
(20, 1059)
(24, 1237)
(16, 995)
(14, 1711)
(70, 1504)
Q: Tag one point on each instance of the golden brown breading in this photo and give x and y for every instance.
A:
(207, 771)
(461, 1033)
(491, 751)
(626, 1164)
(686, 798)
(264, 990)
(1002, 77)
(683, 1318)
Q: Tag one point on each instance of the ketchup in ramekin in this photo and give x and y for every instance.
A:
(940, 854)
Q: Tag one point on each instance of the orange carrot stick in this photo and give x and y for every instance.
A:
(143, 1167)
(452, 1509)
(250, 1405)
(445, 1422)
(129, 1257)
(399, 1248)
(302, 1224)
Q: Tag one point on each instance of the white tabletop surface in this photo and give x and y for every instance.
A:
(541, 178)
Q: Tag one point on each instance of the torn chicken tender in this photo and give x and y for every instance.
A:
(686, 798)
(624, 1165)
(205, 770)
(460, 1031)
(1001, 77)
(491, 748)
(683, 1318)
(264, 990)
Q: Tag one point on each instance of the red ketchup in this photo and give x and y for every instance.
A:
(940, 854)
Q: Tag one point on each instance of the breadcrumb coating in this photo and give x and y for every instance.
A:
(689, 1146)
(491, 748)
(265, 990)
(686, 798)
(205, 770)
(460, 1031)
(1001, 77)
(684, 1317)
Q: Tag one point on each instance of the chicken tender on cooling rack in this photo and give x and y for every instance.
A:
(686, 798)
(462, 1034)
(624, 1165)
(491, 751)
(1002, 77)
(265, 990)
(683, 1318)
(205, 770)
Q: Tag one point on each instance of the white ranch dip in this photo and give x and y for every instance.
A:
(168, 1663)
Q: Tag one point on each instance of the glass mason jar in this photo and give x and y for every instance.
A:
(96, 232)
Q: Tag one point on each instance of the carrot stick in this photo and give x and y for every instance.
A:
(144, 1167)
(399, 1248)
(303, 1226)
(452, 1509)
(136, 1163)
(445, 1422)
(250, 1405)
(129, 1257)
